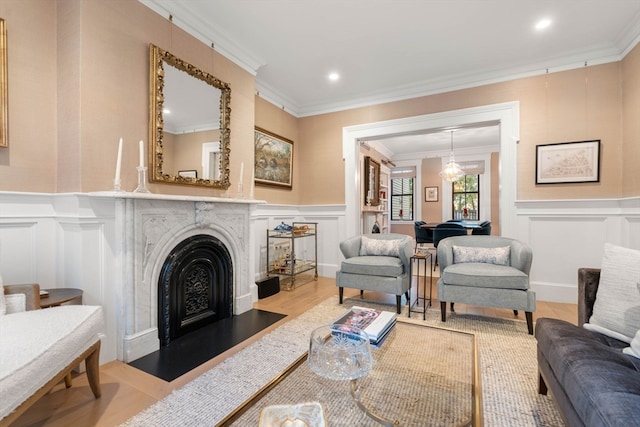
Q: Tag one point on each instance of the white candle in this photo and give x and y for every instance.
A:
(141, 154)
(241, 172)
(119, 161)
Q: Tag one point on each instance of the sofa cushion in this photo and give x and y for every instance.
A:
(485, 275)
(379, 247)
(499, 256)
(616, 311)
(373, 266)
(35, 345)
(602, 383)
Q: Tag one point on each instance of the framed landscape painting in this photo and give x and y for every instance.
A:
(273, 159)
(568, 162)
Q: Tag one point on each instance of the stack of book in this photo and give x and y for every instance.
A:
(375, 323)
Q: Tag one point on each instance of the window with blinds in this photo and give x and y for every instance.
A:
(402, 199)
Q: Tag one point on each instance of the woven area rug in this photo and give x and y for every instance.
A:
(507, 359)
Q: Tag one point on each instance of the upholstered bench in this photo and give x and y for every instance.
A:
(40, 347)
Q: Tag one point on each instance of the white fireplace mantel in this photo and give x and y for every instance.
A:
(147, 228)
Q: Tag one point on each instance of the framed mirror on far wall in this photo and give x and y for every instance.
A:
(4, 102)
(371, 182)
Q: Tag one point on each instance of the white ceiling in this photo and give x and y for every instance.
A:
(387, 50)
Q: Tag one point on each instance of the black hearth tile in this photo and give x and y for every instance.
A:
(197, 347)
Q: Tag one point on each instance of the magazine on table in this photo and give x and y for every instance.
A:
(375, 323)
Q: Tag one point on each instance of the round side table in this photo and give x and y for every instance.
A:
(61, 296)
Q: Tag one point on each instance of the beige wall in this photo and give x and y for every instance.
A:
(29, 163)
(631, 123)
(78, 80)
(75, 92)
(573, 105)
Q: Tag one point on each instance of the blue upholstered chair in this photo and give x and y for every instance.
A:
(444, 230)
(376, 262)
(423, 235)
(484, 230)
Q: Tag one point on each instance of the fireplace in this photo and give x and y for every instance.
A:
(201, 245)
(195, 287)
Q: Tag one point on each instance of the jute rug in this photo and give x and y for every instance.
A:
(507, 359)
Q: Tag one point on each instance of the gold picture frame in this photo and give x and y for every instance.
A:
(4, 97)
(371, 182)
(273, 159)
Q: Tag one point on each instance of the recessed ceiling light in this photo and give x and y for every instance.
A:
(543, 23)
(334, 76)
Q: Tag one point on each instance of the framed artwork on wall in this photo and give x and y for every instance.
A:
(273, 159)
(568, 162)
(4, 121)
(191, 173)
(430, 194)
(371, 182)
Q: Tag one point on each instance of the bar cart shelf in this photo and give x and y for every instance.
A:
(284, 248)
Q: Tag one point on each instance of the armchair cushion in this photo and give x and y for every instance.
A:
(616, 311)
(499, 256)
(373, 266)
(377, 247)
(481, 275)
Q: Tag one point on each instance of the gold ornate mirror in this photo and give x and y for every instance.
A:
(188, 125)
(4, 103)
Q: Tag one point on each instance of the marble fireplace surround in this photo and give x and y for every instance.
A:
(150, 226)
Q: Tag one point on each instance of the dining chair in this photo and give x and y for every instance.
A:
(444, 230)
(485, 229)
(423, 235)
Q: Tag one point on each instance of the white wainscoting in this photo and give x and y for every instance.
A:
(331, 229)
(70, 240)
(569, 234)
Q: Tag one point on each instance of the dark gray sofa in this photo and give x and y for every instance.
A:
(592, 381)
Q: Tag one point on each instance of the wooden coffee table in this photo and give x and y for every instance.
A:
(59, 296)
(421, 376)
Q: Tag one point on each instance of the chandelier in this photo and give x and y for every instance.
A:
(452, 171)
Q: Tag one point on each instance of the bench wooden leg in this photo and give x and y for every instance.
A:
(68, 381)
(340, 293)
(92, 363)
(443, 311)
(398, 300)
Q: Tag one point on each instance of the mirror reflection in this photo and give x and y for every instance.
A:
(189, 124)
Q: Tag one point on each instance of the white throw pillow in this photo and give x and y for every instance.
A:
(499, 256)
(379, 247)
(616, 311)
(634, 348)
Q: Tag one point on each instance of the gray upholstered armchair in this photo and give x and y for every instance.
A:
(486, 270)
(376, 262)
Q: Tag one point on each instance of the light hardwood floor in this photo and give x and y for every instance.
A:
(127, 391)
